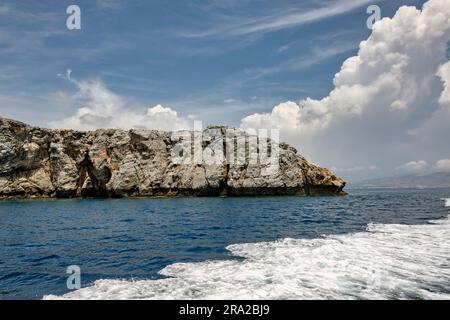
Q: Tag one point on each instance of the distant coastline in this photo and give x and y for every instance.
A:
(424, 181)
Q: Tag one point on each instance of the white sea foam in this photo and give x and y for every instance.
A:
(447, 202)
(388, 261)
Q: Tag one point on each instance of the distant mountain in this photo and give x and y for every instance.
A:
(433, 180)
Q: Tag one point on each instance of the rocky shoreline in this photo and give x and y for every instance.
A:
(45, 163)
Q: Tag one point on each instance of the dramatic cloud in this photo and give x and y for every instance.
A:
(101, 108)
(390, 102)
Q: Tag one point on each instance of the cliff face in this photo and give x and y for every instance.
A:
(36, 163)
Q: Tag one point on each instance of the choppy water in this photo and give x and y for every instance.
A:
(371, 244)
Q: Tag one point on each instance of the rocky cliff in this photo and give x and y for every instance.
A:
(41, 163)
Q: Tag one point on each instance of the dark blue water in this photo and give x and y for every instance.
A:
(135, 238)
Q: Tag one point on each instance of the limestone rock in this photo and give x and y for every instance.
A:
(36, 162)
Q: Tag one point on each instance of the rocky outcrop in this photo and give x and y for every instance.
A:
(40, 163)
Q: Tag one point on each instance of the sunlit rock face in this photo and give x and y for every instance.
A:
(220, 161)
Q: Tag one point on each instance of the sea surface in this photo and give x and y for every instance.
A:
(371, 244)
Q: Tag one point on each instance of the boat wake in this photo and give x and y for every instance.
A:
(388, 261)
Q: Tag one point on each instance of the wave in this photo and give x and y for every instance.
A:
(447, 202)
(387, 261)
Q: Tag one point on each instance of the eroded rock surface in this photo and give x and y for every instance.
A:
(36, 163)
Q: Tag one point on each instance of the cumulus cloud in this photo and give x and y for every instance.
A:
(443, 164)
(99, 107)
(415, 166)
(423, 166)
(283, 116)
(444, 74)
(390, 102)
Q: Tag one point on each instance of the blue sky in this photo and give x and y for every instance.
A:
(199, 57)
(222, 61)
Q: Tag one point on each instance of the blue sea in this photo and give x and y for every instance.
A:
(371, 244)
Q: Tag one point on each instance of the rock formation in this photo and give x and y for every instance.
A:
(44, 163)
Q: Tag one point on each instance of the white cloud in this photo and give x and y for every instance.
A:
(109, 4)
(423, 166)
(163, 118)
(283, 116)
(300, 18)
(284, 48)
(444, 74)
(415, 166)
(315, 56)
(99, 107)
(280, 20)
(443, 165)
(387, 100)
(60, 98)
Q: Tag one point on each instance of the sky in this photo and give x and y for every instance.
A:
(366, 103)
